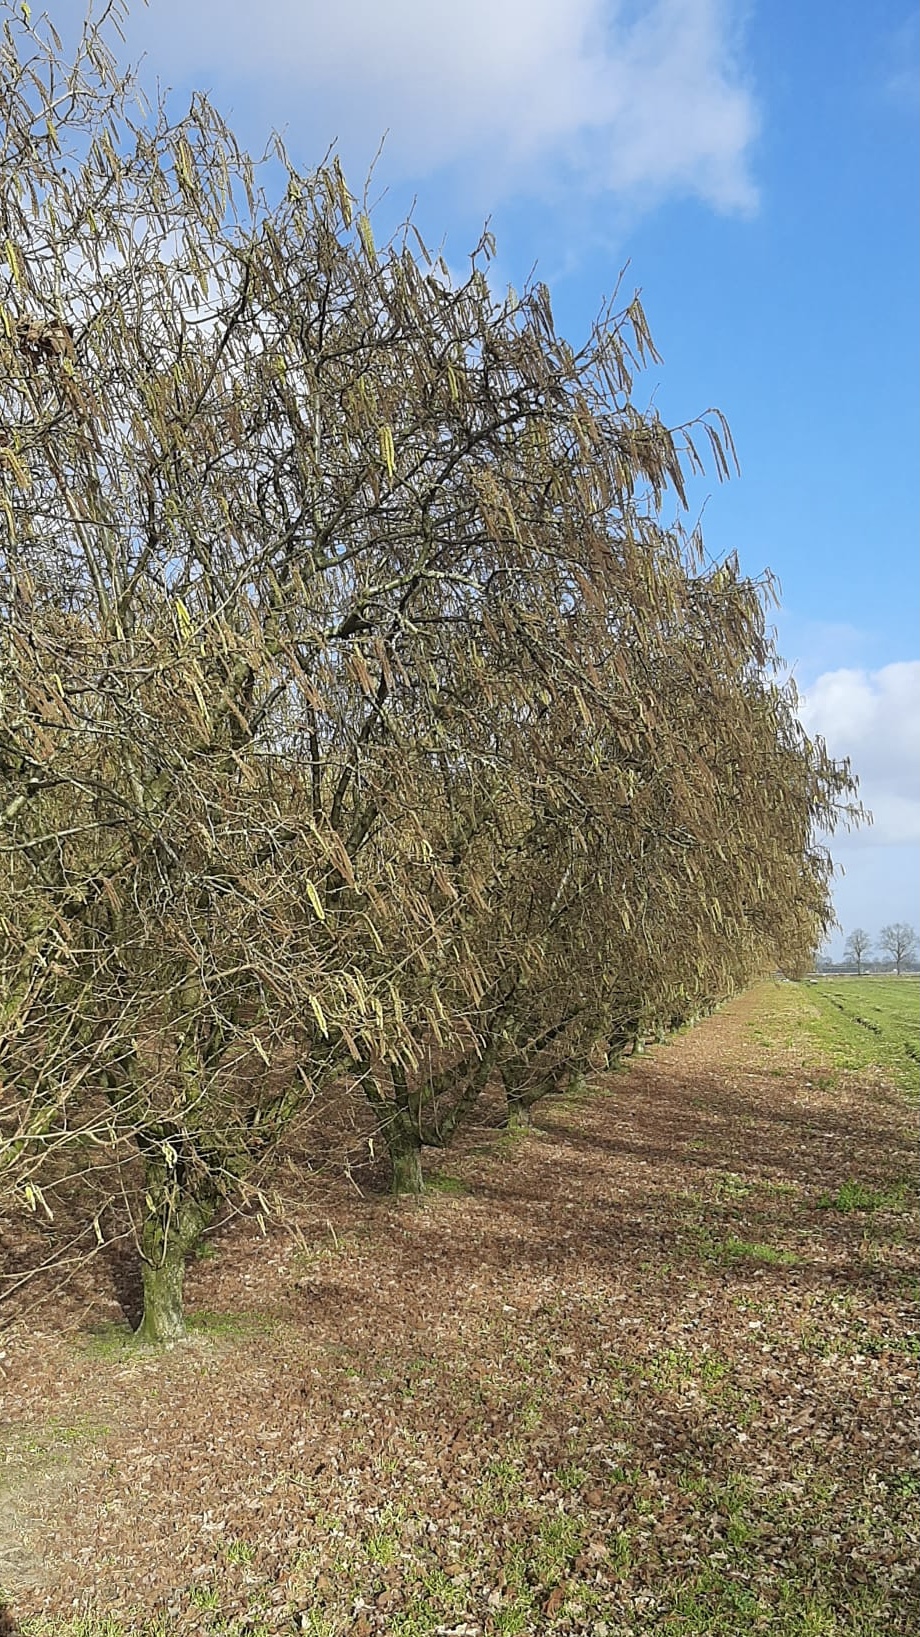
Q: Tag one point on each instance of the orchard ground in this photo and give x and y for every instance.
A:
(647, 1368)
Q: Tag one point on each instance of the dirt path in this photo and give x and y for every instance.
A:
(641, 1370)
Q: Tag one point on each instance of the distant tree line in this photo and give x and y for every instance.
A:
(897, 944)
(362, 727)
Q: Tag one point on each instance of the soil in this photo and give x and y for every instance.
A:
(635, 1355)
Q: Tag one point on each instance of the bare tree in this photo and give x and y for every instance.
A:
(857, 947)
(900, 942)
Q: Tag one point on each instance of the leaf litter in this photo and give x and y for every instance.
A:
(628, 1373)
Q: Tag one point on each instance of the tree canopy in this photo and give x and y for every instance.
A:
(362, 723)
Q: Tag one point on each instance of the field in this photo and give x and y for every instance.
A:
(650, 1368)
(867, 1022)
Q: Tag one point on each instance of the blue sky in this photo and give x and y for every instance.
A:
(756, 166)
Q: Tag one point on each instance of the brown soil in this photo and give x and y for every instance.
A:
(620, 1321)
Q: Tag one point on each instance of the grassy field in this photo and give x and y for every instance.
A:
(648, 1369)
(870, 1022)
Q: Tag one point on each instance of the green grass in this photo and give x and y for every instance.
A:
(49, 1445)
(711, 1604)
(116, 1340)
(441, 1183)
(111, 1340)
(858, 1196)
(733, 1251)
(80, 1625)
(239, 1551)
(677, 1368)
(729, 1186)
(868, 1022)
(229, 1326)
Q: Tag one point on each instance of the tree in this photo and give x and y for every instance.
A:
(591, 935)
(900, 942)
(279, 504)
(857, 947)
(360, 722)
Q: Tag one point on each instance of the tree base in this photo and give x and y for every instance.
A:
(163, 1319)
(519, 1116)
(408, 1177)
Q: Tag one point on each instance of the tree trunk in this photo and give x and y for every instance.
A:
(518, 1100)
(399, 1128)
(164, 1316)
(518, 1116)
(404, 1147)
(175, 1220)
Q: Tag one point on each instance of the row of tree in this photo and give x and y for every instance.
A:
(896, 942)
(362, 725)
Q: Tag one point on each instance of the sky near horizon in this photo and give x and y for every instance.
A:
(753, 165)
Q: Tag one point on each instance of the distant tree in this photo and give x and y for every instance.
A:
(899, 941)
(857, 947)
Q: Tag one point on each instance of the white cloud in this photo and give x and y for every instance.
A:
(634, 97)
(873, 718)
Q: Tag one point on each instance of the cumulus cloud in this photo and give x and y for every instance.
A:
(872, 718)
(634, 97)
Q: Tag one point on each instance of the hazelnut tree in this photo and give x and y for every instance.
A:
(359, 720)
